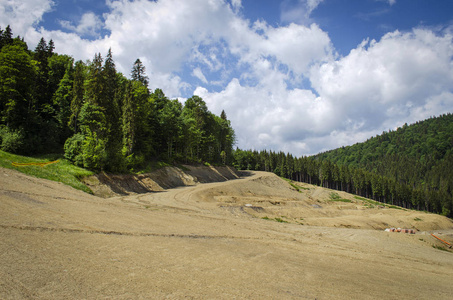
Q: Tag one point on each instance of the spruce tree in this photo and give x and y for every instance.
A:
(138, 73)
(62, 100)
(77, 95)
(112, 112)
(7, 37)
(95, 82)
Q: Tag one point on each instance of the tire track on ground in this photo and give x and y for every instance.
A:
(125, 233)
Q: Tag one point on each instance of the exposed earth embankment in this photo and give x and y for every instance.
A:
(109, 185)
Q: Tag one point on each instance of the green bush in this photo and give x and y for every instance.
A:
(135, 161)
(12, 140)
(73, 149)
(93, 152)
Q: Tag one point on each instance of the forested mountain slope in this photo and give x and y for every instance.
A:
(413, 153)
(419, 156)
(411, 166)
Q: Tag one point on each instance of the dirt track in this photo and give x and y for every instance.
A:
(210, 241)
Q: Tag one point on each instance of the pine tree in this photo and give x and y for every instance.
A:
(42, 93)
(138, 73)
(112, 111)
(62, 100)
(6, 37)
(128, 122)
(50, 48)
(78, 92)
(95, 82)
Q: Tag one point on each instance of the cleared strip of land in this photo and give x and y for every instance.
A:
(254, 237)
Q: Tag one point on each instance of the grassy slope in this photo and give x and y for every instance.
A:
(63, 171)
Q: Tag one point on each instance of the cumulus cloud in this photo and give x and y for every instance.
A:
(24, 14)
(282, 87)
(89, 25)
(270, 115)
(382, 83)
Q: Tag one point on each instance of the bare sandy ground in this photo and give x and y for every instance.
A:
(210, 241)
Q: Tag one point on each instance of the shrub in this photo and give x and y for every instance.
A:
(93, 152)
(73, 149)
(12, 140)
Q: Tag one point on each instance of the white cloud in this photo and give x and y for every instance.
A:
(263, 73)
(299, 12)
(385, 82)
(90, 24)
(269, 116)
(312, 4)
(237, 4)
(22, 15)
(199, 74)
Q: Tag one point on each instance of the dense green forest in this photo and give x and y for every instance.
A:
(411, 167)
(97, 117)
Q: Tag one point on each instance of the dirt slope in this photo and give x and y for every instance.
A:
(210, 241)
(107, 185)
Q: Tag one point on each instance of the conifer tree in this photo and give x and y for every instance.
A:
(42, 93)
(95, 82)
(138, 73)
(6, 37)
(62, 100)
(78, 92)
(128, 122)
(50, 48)
(112, 112)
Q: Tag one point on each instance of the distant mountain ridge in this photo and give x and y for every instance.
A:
(410, 167)
(418, 155)
(426, 141)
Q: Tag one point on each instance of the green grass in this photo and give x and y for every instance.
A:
(296, 187)
(393, 206)
(280, 220)
(150, 166)
(335, 197)
(291, 184)
(342, 200)
(373, 203)
(440, 248)
(63, 171)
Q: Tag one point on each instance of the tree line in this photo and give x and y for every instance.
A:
(411, 167)
(100, 119)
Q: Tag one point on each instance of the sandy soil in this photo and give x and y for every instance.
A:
(210, 241)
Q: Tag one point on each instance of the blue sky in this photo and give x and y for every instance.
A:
(301, 76)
